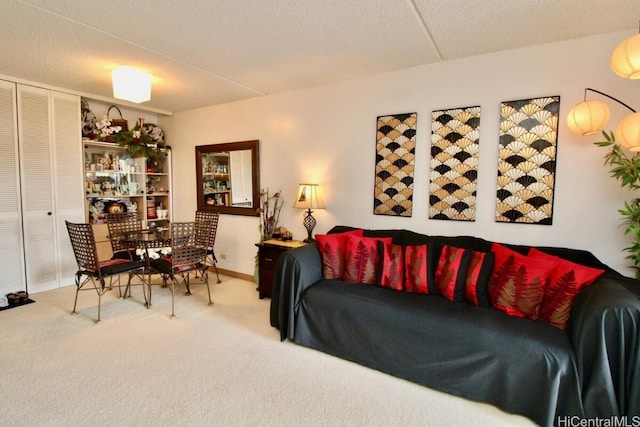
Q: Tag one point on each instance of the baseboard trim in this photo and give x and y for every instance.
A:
(235, 274)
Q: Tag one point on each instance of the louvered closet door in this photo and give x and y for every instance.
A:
(12, 254)
(36, 167)
(68, 178)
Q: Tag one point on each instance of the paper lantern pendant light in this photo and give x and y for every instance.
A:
(628, 132)
(588, 117)
(131, 84)
(625, 59)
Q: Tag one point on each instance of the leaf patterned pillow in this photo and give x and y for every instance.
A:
(416, 269)
(361, 259)
(518, 282)
(332, 251)
(566, 282)
(391, 266)
(477, 280)
(451, 272)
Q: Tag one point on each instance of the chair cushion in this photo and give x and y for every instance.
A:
(164, 265)
(117, 266)
(125, 254)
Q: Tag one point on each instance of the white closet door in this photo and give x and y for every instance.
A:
(12, 253)
(34, 133)
(68, 177)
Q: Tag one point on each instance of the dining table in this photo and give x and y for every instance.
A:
(149, 244)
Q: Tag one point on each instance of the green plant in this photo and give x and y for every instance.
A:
(140, 144)
(626, 169)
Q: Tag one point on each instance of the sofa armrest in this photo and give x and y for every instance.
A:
(297, 269)
(605, 333)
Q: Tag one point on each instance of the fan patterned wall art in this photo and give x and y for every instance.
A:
(527, 160)
(395, 155)
(455, 136)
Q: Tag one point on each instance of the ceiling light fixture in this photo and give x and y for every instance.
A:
(132, 85)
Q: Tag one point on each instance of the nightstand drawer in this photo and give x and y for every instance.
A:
(269, 258)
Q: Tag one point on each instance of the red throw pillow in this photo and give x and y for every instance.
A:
(478, 273)
(517, 282)
(416, 269)
(391, 266)
(451, 272)
(361, 259)
(566, 282)
(332, 250)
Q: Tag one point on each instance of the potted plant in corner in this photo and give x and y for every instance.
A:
(626, 169)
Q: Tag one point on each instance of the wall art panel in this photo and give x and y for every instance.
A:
(455, 137)
(395, 155)
(527, 160)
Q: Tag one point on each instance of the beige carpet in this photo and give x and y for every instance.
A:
(220, 365)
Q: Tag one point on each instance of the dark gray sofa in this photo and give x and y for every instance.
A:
(523, 366)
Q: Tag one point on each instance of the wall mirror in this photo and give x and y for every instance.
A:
(228, 177)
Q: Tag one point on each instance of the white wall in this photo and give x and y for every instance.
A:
(327, 135)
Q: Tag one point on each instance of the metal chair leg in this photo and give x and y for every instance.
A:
(205, 276)
(217, 275)
(173, 293)
(75, 302)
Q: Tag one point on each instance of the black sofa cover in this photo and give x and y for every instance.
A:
(526, 367)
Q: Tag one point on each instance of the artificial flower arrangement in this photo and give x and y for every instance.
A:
(138, 141)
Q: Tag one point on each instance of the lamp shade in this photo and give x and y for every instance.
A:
(628, 132)
(588, 117)
(131, 84)
(308, 197)
(625, 59)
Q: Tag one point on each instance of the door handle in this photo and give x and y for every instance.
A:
(49, 213)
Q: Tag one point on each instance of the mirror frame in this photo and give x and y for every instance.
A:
(252, 145)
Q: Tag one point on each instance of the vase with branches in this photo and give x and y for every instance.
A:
(270, 207)
(626, 170)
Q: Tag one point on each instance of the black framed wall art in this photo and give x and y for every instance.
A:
(527, 160)
(453, 179)
(395, 157)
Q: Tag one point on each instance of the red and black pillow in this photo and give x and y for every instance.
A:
(416, 269)
(518, 282)
(566, 281)
(332, 249)
(361, 260)
(391, 270)
(451, 272)
(477, 280)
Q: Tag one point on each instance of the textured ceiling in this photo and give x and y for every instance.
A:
(204, 52)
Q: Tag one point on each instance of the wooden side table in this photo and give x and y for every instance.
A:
(268, 253)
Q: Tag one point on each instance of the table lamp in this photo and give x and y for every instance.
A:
(309, 198)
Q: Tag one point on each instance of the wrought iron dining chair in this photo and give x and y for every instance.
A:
(118, 225)
(90, 269)
(211, 256)
(188, 254)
